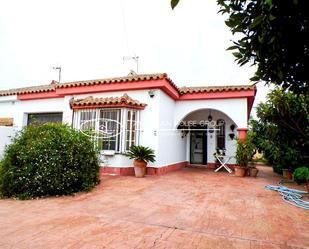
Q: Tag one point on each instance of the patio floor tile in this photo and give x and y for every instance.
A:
(189, 208)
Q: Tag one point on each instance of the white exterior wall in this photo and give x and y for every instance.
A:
(161, 114)
(6, 135)
(171, 147)
(148, 118)
(233, 111)
(230, 145)
(148, 123)
(236, 109)
(18, 110)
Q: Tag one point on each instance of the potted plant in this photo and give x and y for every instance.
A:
(253, 171)
(241, 159)
(301, 175)
(244, 153)
(141, 155)
(287, 173)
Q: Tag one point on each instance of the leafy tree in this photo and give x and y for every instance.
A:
(282, 131)
(274, 36)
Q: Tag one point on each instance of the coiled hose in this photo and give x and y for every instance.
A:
(291, 196)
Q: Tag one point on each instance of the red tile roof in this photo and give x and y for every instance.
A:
(184, 90)
(90, 101)
(127, 79)
(25, 90)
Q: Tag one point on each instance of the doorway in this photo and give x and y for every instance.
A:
(198, 147)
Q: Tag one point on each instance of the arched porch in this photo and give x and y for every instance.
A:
(207, 130)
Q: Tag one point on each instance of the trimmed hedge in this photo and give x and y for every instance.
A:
(47, 160)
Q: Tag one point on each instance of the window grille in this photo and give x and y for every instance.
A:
(221, 134)
(112, 129)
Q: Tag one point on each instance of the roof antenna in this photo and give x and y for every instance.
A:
(135, 58)
(59, 72)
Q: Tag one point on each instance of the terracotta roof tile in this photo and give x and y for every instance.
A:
(129, 78)
(90, 101)
(132, 77)
(25, 90)
(184, 90)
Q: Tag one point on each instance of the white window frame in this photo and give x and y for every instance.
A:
(136, 131)
(120, 140)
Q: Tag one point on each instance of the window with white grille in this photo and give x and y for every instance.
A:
(111, 129)
(130, 129)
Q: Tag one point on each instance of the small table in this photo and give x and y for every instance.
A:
(223, 161)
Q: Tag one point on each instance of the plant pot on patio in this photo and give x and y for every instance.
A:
(253, 171)
(287, 174)
(139, 168)
(240, 171)
(244, 153)
(141, 155)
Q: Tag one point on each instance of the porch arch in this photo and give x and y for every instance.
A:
(235, 109)
(205, 114)
(202, 143)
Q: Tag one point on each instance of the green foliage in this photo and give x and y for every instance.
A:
(245, 151)
(141, 153)
(46, 160)
(282, 131)
(174, 3)
(301, 175)
(273, 35)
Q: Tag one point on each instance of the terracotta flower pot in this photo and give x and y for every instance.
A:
(240, 171)
(290, 175)
(307, 186)
(287, 174)
(139, 168)
(253, 172)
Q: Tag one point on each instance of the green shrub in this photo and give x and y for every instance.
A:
(301, 175)
(245, 151)
(141, 153)
(49, 159)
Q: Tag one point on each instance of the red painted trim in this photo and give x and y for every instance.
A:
(129, 171)
(166, 169)
(107, 106)
(242, 133)
(218, 95)
(122, 86)
(250, 101)
(162, 84)
(242, 129)
(42, 95)
(209, 166)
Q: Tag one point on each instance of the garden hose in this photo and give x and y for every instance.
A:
(291, 196)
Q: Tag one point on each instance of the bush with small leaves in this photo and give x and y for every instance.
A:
(301, 175)
(48, 160)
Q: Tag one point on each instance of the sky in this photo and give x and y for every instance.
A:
(89, 39)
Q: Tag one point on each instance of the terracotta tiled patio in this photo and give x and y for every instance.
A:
(189, 208)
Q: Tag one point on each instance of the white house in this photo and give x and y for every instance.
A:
(183, 125)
